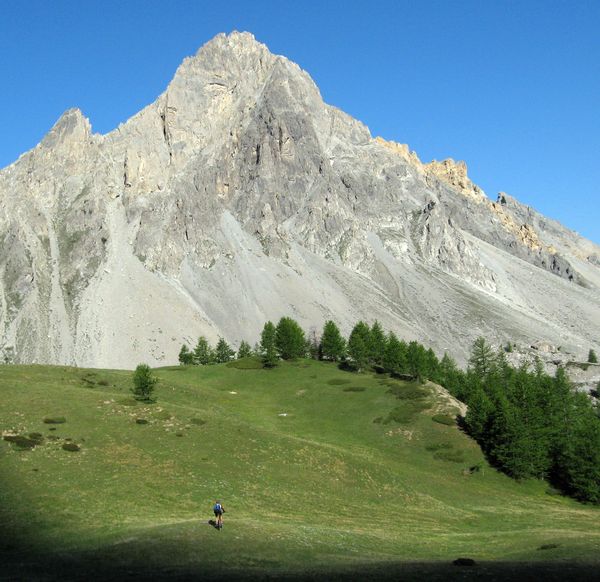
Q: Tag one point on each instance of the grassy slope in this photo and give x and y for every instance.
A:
(324, 486)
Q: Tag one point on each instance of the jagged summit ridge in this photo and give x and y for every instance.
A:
(239, 196)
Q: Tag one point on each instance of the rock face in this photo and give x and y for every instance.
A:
(239, 196)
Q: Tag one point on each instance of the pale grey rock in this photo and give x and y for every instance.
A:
(239, 196)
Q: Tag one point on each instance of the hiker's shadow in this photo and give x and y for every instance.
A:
(213, 523)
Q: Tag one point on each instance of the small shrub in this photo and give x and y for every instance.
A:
(51, 428)
(179, 434)
(592, 357)
(103, 382)
(72, 447)
(438, 447)
(405, 413)
(444, 419)
(36, 436)
(141, 421)
(354, 389)
(20, 441)
(197, 421)
(378, 420)
(338, 381)
(407, 391)
(450, 456)
(55, 420)
(251, 363)
(548, 546)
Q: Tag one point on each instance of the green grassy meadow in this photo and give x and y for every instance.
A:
(322, 473)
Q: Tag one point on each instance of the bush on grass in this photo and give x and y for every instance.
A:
(71, 447)
(21, 441)
(55, 420)
(444, 419)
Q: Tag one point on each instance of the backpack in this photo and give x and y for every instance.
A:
(218, 508)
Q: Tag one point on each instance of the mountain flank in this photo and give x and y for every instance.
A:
(239, 196)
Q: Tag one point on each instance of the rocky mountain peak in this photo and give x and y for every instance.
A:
(239, 196)
(72, 126)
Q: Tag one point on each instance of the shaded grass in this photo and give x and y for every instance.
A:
(339, 381)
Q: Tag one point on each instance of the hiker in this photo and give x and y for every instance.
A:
(219, 511)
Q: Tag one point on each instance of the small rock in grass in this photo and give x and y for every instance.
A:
(464, 562)
(72, 447)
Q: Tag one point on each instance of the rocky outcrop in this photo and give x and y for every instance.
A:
(239, 196)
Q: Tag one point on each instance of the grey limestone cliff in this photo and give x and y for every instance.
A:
(239, 196)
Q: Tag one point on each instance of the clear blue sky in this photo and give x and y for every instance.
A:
(512, 88)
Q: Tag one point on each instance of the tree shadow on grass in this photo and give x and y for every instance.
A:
(22, 561)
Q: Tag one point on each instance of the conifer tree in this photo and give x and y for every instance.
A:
(358, 345)
(592, 358)
(143, 382)
(417, 361)
(480, 409)
(394, 360)
(377, 344)
(203, 353)
(267, 345)
(223, 352)
(482, 359)
(289, 339)
(244, 351)
(432, 366)
(185, 356)
(333, 345)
